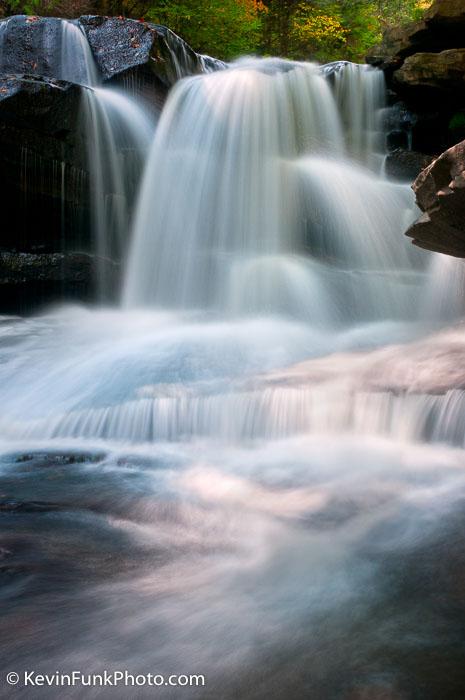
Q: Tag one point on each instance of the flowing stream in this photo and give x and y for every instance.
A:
(253, 468)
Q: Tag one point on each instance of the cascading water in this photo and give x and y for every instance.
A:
(117, 133)
(256, 170)
(263, 514)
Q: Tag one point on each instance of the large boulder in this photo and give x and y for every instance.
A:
(444, 71)
(440, 192)
(119, 45)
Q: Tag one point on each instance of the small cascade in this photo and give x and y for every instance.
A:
(117, 133)
(3, 31)
(77, 62)
(184, 61)
(270, 414)
(360, 96)
(445, 296)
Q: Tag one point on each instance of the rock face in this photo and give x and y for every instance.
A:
(440, 191)
(42, 166)
(442, 27)
(119, 45)
(424, 64)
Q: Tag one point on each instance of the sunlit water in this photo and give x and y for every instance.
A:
(254, 471)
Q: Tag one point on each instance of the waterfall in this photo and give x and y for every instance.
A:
(263, 164)
(265, 234)
(76, 61)
(252, 468)
(117, 133)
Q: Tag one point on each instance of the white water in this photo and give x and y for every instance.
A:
(266, 211)
(261, 239)
(283, 528)
(117, 132)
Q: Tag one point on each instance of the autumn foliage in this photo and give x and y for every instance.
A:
(303, 29)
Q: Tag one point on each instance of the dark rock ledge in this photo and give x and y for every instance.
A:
(440, 192)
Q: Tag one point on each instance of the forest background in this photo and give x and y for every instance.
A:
(321, 30)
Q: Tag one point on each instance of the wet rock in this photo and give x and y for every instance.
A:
(406, 165)
(440, 192)
(34, 45)
(50, 459)
(119, 45)
(30, 45)
(28, 281)
(444, 71)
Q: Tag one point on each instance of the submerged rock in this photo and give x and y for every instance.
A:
(402, 164)
(440, 192)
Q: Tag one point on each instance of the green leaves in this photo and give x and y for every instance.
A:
(321, 30)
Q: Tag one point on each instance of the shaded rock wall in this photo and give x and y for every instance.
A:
(424, 64)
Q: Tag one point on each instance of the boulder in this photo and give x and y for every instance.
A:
(440, 192)
(119, 45)
(28, 281)
(444, 71)
(402, 164)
